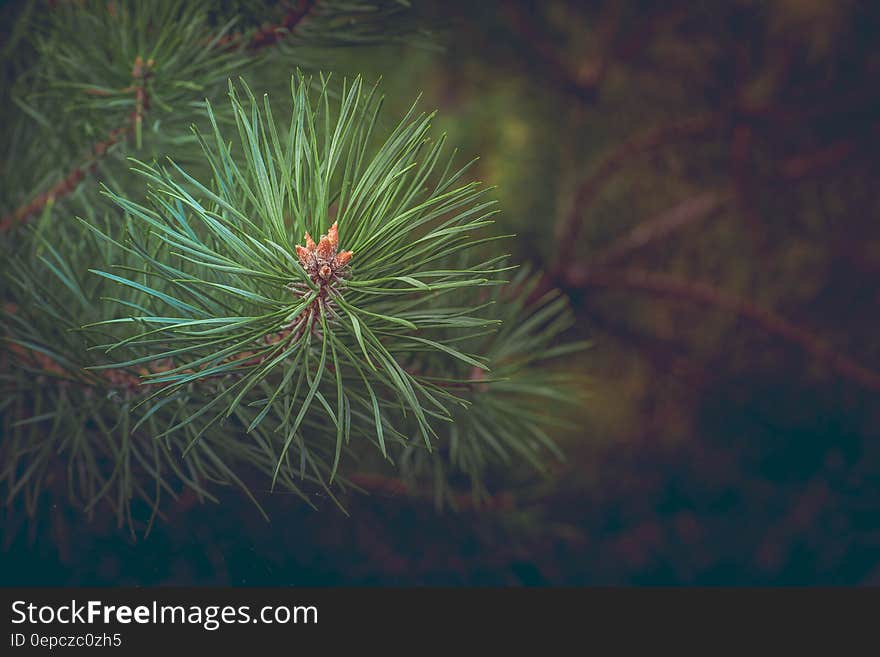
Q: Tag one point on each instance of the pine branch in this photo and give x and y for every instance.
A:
(264, 37)
(66, 185)
(218, 340)
(140, 72)
(270, 34)
(350, 318)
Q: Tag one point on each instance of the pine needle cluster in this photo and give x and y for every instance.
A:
(269, 299)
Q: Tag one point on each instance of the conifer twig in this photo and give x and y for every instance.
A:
(267, 35)
(139, 73)
(64, 186)
(270, 34)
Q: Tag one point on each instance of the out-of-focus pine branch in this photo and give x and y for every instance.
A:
(263, 37)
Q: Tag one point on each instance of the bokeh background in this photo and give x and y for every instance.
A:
(701, 178)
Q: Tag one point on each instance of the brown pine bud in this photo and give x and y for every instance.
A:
(321, 262)
(325, 249)
(333, 235)
(305, 255)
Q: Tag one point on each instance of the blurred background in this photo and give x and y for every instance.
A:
(701, 178)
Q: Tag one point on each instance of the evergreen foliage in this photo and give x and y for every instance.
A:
(168, 320)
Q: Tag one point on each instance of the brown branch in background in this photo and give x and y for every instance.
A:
(64, 186)
(704, 294)
(267, 35)
(595, 273)
(651, 230)
(806, 164)
(42, 364)
(140, 72)
(569, 227)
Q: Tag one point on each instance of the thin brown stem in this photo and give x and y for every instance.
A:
(140, 72)
(704, 294)
(265, 36)
(64, 186)
(817, 161)
(269, 35)
(686, 213)
(569, 227)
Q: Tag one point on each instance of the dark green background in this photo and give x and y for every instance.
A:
(710, 450)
